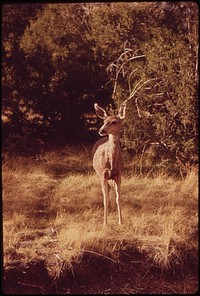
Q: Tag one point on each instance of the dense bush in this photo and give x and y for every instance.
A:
(58, 59)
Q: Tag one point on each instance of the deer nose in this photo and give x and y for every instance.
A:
(102, 132)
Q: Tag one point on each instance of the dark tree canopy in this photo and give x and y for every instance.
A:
(58, 59)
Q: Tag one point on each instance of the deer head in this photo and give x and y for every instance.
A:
(112, 123)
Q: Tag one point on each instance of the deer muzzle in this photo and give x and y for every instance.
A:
(102, 132)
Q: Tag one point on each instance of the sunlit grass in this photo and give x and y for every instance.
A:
(56, 217)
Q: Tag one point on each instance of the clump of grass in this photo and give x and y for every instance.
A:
(24, 184)
(70, 160)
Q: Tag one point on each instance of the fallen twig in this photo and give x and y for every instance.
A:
(41, 288)
(101, 255)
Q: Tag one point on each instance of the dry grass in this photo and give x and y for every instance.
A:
(53, 211)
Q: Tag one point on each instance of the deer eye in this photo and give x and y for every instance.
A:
(114, 122)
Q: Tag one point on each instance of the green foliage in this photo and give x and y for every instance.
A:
(14, 71)
(168, 103)
(58, 59)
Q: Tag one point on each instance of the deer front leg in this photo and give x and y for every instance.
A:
(105, 190)
(117, 186)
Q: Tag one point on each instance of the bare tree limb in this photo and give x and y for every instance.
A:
(120, 67)
(137, 57)
(137, 87)
(129, 79)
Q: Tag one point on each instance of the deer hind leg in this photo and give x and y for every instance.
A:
(117, 186)
(105, 190)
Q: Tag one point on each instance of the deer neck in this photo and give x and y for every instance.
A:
(113, 150)
(113, 140)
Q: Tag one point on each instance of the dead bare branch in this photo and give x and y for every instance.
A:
(119, 67)
(137, 87)
(137, 57)
(129, 79)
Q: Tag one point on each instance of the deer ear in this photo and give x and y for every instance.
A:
(100, 111)
(122, 111)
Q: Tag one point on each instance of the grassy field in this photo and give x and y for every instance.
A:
(53, 213)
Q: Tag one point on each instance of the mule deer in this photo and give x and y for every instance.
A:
(107, 159)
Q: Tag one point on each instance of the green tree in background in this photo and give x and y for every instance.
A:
(58, 59)
(76, 79)
(164, 37)
(14, 72)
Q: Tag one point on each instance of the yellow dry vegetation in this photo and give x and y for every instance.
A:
(55, 214)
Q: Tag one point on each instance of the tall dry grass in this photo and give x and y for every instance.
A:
(53, 211)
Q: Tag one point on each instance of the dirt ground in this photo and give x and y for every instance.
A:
(132, 273)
